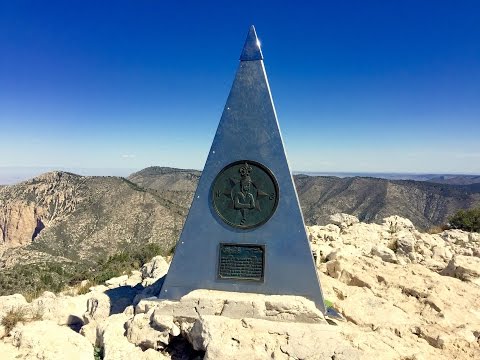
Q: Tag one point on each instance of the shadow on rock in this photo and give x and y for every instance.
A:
(124, 296)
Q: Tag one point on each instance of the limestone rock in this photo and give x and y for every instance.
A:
(327, 233)
(236, 305)
(9, 352)
(117, 281)
(117, 347)
(343, 220)
(234, 339)
(49, 341)
(405, 242)
(134, 279)
(10, 302)
(89, 331)
(98, 307)
(410, 309)
(344, 251)
(465, 268)
(64, 310)
(474, 237)
(384, 253)
(455, 236)
(155, 269)
(396, 223)
(3, 332)
(321, 252)
(141, 332)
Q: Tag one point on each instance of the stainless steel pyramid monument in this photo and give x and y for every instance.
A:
(245, 230)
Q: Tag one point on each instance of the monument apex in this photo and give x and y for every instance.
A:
(251, 50)
(245, 230)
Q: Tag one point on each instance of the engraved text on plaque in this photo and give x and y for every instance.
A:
(244, 262)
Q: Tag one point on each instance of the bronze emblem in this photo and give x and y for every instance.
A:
(245, 194)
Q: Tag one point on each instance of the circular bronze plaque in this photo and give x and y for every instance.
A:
(245, 194)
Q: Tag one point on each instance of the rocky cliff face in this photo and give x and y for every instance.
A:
(29, 207)
(76, 217)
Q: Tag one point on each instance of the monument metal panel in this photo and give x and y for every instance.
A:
(245, 196)
(241, 262)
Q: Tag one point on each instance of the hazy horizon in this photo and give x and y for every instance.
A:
(10, 175)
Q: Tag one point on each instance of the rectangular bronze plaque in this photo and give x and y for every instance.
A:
(243, 262)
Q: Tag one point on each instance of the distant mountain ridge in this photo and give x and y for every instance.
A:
(456, 179)
(370, 199)
(14, 175)
(62, 220)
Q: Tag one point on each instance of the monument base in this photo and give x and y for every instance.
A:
(234, 305)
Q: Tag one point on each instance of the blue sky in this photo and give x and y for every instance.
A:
(366, 86)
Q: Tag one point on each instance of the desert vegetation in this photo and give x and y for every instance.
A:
(468, 220)
(33, 279)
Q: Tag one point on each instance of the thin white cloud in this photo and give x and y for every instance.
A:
(468, 155)
(128, 156)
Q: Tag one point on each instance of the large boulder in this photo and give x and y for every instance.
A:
(455, 236)
(405, 242)
(9, 352)
(117, 281)
(115, 344)
(396, 223)
(343, 220)
(63, 309)
(10, 302)
(98, 307)
(143, 332)
(239, 339)
(47, 340)
(465, 268)
(327, 233)
(384, 253)
(154, 270)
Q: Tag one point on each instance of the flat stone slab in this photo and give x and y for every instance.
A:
(198, 303)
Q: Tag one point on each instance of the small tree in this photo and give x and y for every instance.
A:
(468, 220)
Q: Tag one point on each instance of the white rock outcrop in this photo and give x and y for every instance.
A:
(48, 341)
(343, 220)
(465, 268)
(10, 302)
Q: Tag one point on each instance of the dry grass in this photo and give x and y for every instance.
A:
(85, 287)
(437, 229)
(13, 317)
(32, 295)
(20, 314)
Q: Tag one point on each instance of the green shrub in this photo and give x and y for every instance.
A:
(124, 262)
(32, 280)
(97, 353)
(328, 304)
(468, 220)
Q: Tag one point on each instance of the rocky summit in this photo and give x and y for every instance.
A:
(402, 294)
